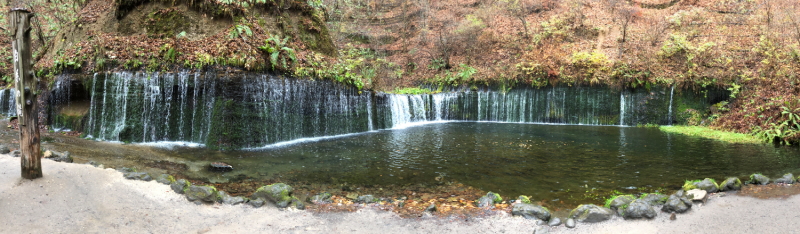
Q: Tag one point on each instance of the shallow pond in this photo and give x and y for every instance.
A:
(560, 165)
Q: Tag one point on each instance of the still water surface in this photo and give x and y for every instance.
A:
(566, 163)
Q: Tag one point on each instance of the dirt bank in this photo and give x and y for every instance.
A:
(75, 198)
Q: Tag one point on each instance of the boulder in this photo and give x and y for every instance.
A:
(758, 179)
(554, 222)
(165, 179)
(787, 178)
(731, 183)
(654, 199)
(206, 194)
(57, 156)
(707, 184)
(297, 204)
(590, 213)
(16, 153)
(279, 193)
(4, 149)
(618, 203)
(258, 202)
(137, 176)
(677, 202)
(489, 200)
(639, 209)
(697, 194)
(180, 186)
(228, 199)
(530, 211)
(570, 223)
(322, 198)
(366, 199)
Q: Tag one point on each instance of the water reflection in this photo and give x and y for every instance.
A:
(548, 162)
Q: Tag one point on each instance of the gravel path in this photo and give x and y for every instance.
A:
(74, 198)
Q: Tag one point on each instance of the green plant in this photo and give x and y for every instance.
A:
(239, 30)
(783, 131)
(412, 90)
(278, 50)
(437, 64)
(168, 52)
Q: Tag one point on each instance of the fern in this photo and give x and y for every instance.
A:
(279, 51)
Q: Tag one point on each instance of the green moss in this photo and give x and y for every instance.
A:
(611, 199)
(524, 199)
(186, 186)
(412, 90)
(706, 132)
(496, 198)
(690, 184)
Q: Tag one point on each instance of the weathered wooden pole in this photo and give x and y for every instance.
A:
(19, 20)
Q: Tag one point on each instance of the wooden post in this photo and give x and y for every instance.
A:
(19, 20)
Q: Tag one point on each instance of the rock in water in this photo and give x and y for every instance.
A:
(179, 186)
(570, 223)
(590, 213)
(677, 202)
(530, 211)
(639, 209)
(279, 193)
(655, 198)
(489, 200)
(787, 178)
(758, 179)
(616, 203)
(731, 183)
(206, 194)
(554, 222)
(220, 167)
(697, 194)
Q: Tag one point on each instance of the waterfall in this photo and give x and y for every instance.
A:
(669, 114)
(621, 108)
(254, 110)
(8, 105)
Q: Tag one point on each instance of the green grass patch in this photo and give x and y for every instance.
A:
(705, 132)
(412, 90)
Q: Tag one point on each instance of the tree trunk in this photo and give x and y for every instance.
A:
(20, 26)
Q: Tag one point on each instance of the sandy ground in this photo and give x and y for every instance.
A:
(75, 198)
